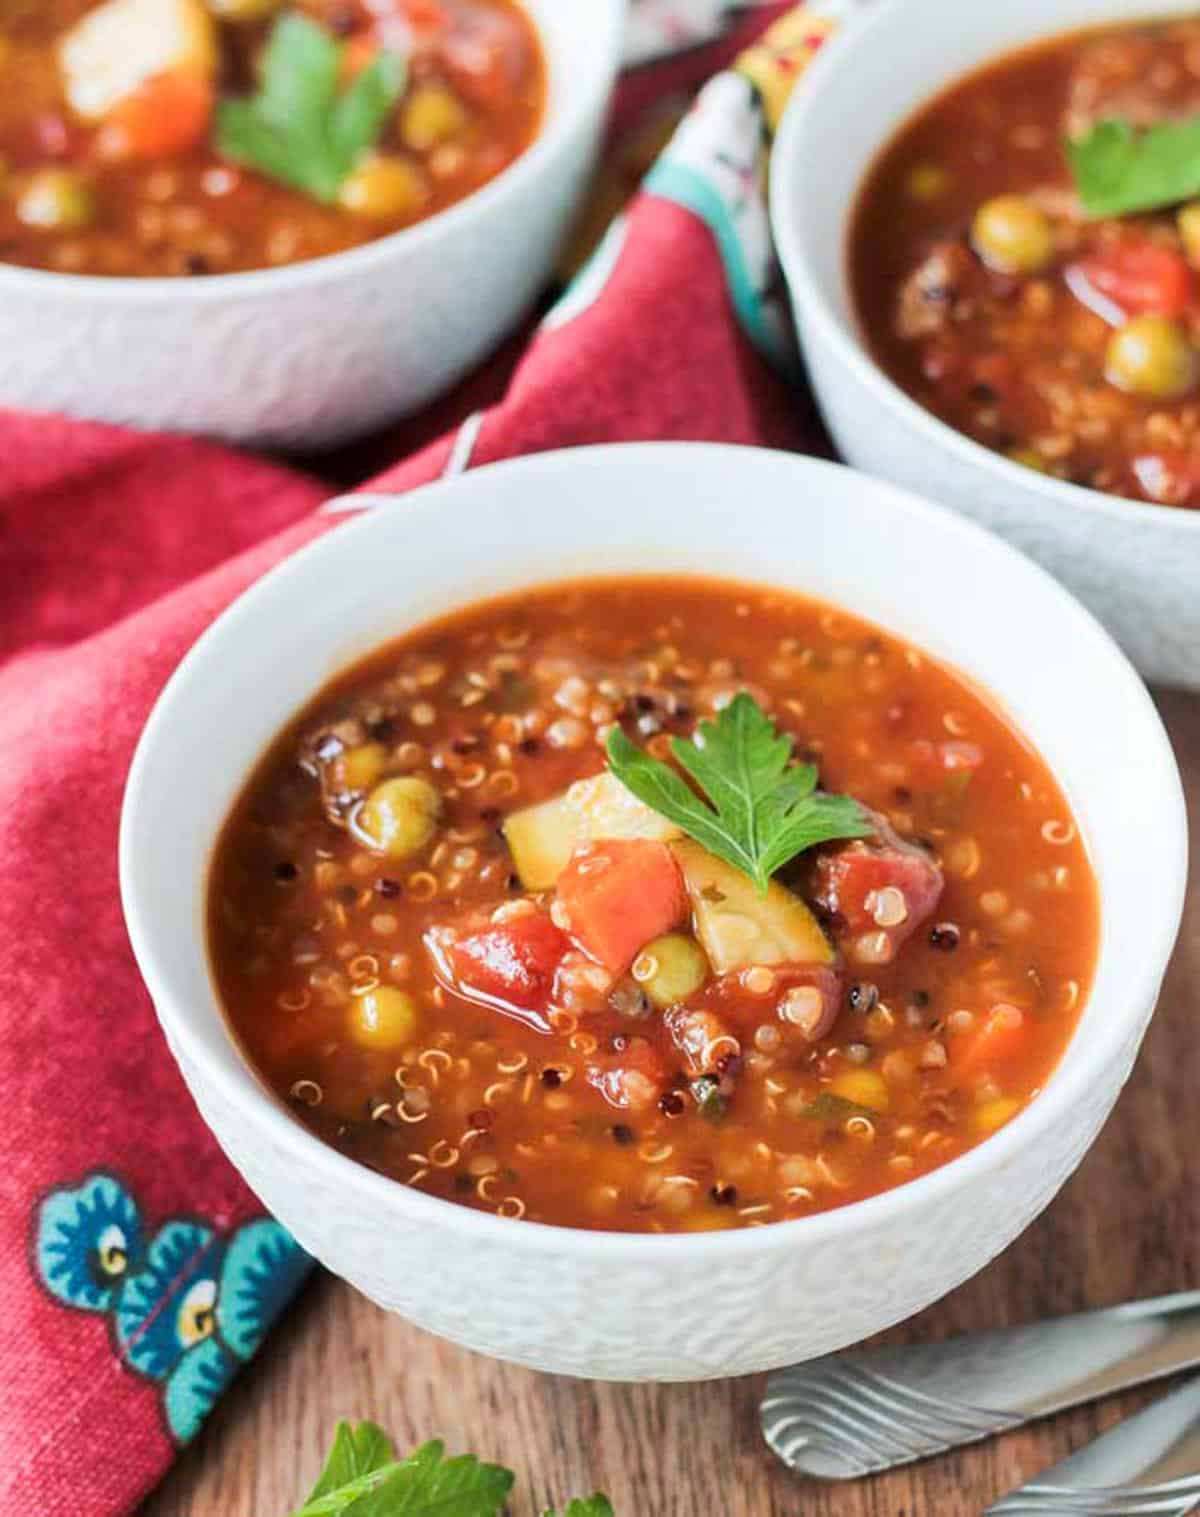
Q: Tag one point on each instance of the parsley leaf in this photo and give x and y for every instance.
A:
(594, 1506)
(299, 129)
(763, 810)
(1119, 169)
(362, 1479)
(356, 1451)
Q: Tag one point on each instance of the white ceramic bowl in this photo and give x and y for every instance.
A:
(312, 353)
(608, 1305)
(1137, 566)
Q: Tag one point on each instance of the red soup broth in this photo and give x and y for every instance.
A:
(405, 972)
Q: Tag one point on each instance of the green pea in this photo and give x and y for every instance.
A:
(399, 816)
(1152, 356)
(1012, 235)
(671, 968)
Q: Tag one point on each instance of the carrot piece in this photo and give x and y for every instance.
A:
(359, 51)
(166, 115)
(1003, 1038)
(617, 895)
(425, 15)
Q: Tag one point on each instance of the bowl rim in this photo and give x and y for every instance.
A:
(566, 110)
(243, 1090)
(846, 340)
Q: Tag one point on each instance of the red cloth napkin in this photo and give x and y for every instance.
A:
(137, 1272)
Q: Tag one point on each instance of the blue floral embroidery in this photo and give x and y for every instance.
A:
(196, 1387)
(262, 1271)
(169, 1305)
(187, 1308)
(88, 1239)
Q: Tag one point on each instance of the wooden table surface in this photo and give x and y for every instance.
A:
(1128, 1224)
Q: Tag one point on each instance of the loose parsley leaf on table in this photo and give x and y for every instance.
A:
(1119, 169)
(363, 1478)
(356, 1452)
(761, 810)
(593, 1506)
(300, 128)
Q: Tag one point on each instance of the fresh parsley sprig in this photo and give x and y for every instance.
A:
(761, 809)
(363, 1478)
(1119, 169)
(300, 128)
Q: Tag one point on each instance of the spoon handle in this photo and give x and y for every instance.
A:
(1148, 1463)
(854, 1413)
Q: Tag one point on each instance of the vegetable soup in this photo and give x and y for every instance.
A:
(655, 905)
(1024, 256)
(190, 137)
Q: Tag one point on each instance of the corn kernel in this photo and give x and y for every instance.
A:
(432, 115)
(359, 768)
(995, 1113)
(865, 1087)
(384, 187)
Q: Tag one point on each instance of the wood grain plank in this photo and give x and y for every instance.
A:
(1128, 1224)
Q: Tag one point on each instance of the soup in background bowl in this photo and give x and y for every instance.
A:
(371, 322)
(595, 1300)
(176, 137)
(1048, 436)
(1068, 341)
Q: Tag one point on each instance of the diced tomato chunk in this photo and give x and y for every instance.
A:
(888, 887)
(51, 135)
(1138, 277)
(618, 895)
(632, 1076)
(702, 1037)
(954, 756)
(509, 964)
(1170, 477)
(484, 59)
(810, 1016)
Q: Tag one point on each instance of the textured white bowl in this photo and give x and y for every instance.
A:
(312, 353)
(1137, 566)
(608, 1305)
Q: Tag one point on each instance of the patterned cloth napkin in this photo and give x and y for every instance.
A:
(137, 1272)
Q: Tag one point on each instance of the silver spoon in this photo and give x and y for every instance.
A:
(865, 1410)
(1147, 1464)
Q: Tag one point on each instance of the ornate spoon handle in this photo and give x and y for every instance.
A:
(865, 1410)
